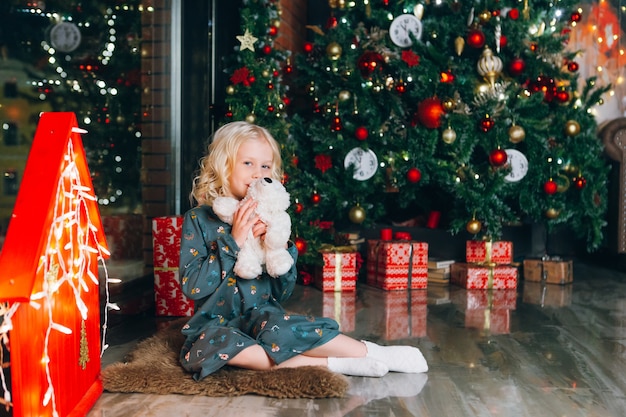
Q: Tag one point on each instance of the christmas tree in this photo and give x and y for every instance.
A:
(470, 110)
(257, 92)
(84, 57)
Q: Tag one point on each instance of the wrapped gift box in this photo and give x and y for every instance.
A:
(397, 265)
(489, 321)
(499, 252)
(550, 271)
(475, 276)
(169, 298)
(481, 299)
(338, 273)
(404, 314)
(340, 306)
(547, 295)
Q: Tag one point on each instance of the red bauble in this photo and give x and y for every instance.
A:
(401, 88)
(550, 187)
(429, 112)
(413, 175)
(544, 84)
(513, 14)
(335, 124)
(301, 245)
(331, 23)
(517, 67)
(298, 208)
(316, 198)
(270, 108)
(562, 96)
(572, 66)
(267, 49)
(369, 62)
(503, 41)
(361, 133)
(486, 124)
(288, 69)
(308, 47)
(229, 114)
(446, 76)
(580, 182)
(476, 38)
(272, 31)
(498, 157)
(576, 17)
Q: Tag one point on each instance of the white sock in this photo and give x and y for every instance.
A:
(358, 366)
(406, 359)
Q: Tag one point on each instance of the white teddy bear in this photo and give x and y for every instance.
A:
(272, 203)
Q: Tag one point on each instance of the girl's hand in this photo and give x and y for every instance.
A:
(259, 229)
(244, 219)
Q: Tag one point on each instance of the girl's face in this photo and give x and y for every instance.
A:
(254, 160)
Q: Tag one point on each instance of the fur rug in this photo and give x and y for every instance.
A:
(153, 368)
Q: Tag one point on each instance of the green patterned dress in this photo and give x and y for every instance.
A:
(234, 313)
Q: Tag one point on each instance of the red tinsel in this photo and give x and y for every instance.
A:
(323, 162)
(241, 75)
(411, 58)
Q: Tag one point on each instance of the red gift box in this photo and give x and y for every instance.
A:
(480, 299)
(169, 298)
(499, 252)
(339, 272)
(397, 265)
(489, 321)
(341, 306)
(404, 314)
(474, 276)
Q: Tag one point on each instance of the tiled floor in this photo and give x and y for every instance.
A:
(536, 352)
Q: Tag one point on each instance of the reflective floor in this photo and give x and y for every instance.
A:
(535, 351)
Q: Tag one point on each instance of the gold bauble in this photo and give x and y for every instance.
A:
(230, 90)
(473, 226)
(251, 118)
(344, 95)
(265, 73)
(333, 3)
(448, 105)
(516, 134)
(333, 51)
(378, 87)
(484, 16)
(276, 23)
(552, 213)
(572, 128)
(448, 136)
(357, 214)
(459, 45)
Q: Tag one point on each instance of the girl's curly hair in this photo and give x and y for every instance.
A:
(212, 179)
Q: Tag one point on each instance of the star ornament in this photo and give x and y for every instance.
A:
(247, 41)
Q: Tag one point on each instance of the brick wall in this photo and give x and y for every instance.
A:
(156, 144)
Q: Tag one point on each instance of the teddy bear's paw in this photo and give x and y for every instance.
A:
(278, 263)
(247, 271)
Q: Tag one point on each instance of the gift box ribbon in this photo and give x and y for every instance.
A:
(339, 251)
(165, 269)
